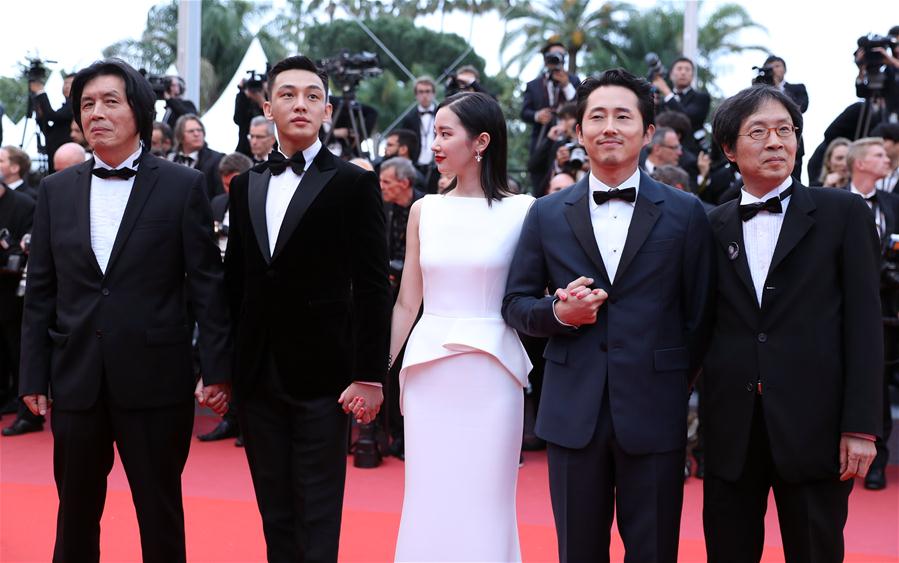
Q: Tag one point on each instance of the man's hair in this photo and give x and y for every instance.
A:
(402, 167)
(733, 111)
(684, 60)
(471, 69)
(676, 120)
(672, 175)
(138, 92)
(409, 139)
(550, 44)
(234, 162)
(888, 131)
(775, 59)
(658, 138)
(181, 125)
(568, 109)
(894, 31)
(261, 120)
(618, 77)
(859, 149)
(20, 158)
(296, 62)
(424, 79)
(165, 130)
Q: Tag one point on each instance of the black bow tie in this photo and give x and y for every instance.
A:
(627, 194)
(277, 163)
(425, 112)
(184, 159)
(772, 205)
(120, 173)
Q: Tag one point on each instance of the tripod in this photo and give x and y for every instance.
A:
(873, 103)
(347, 104)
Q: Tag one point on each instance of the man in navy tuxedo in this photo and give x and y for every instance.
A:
(626, 334)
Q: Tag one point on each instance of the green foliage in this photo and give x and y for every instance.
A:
(14, 97)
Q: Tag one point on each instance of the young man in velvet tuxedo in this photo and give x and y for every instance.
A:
(306, 270)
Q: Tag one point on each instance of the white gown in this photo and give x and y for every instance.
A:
(461, 387)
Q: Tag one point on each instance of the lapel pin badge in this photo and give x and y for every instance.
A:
(733, 250)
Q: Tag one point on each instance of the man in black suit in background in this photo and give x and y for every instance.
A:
(306, 269)
(797, 93)
(681, 96)
(546, 93)
(192, 151)
(55, 124)
(792, 379)
(120, 243)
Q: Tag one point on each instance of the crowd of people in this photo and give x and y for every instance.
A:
(647, 261)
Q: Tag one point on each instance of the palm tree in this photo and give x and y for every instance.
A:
(570, 22)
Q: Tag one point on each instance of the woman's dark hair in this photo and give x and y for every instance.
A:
(732, 112)
(479, 113)
(138, 92)
(296, 62)
(618, 77)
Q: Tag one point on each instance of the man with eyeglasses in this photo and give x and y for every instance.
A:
(262, 138)
(793, 376)
(664, 149)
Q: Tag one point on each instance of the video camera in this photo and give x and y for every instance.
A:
(160, 83)
(454, 86)
(654, 67)
(348, 70)
(763, 75)
(255, 81)
(36, 70)
(873, 61)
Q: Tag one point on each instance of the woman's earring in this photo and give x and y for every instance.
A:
(477, 156)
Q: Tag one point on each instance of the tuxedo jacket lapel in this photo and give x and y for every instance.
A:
(83, 213)
(577, 213)
(257, 193)
(646, 213)
(729, 232)
(313, 182)
(144, 182)
(797, 222)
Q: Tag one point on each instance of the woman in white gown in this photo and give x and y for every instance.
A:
(464, 368)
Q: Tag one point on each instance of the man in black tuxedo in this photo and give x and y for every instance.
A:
(115, 255)
(54, 124)
(546, 93)
(192, 151)
(682, 96)
(868, 164)
(626, 334)
(306, 269)
(792, 379)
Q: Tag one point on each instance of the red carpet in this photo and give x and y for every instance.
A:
(223, 523)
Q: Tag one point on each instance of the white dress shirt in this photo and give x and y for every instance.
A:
(280, 191)
(108, 200)
(568, 92)
(15, 185)
(879, 219)
(426, 134)
(611, 221)
(760, 235)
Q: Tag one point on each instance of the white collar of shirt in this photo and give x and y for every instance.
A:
(432, 108)
(281, 189)
(856, 191)
(649, 165)
(194, 155)
(98, 162)
(747, 198)
(15, 185)
(596, 185)
(309, 153)
(682, 92)
(760, 235)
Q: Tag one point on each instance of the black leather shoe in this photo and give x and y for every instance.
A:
(876, 479)
(700, 468)
(22, 426)
(238, 443)
(397, 449)
(225, 429)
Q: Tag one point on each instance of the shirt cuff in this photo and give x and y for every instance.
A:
(372, 383)
(869, 437)
(569, 91)
(558, 320)
(669, 97)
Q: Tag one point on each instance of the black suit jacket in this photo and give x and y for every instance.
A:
(127, 328)
(208, 163)
(56, 125)
(320, 304)
(798, 94)
(694, 103)
(815, 343)
(219, 206)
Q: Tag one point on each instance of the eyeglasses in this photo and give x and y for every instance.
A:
(257, 137)
(762, 133)
(673, 147)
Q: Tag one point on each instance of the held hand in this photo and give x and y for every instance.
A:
(578, 304)
(37, 404)
(364, 401)
(574, 289)
(215, 396)
(856, 456)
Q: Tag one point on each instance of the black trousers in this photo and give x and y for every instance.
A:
(153, 446)
(297, 454)
(811, 514)
(589, 485)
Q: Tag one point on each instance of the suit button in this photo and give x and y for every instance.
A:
(750, 387)
(99, 333)
(603, 347)
(762, 337)
(105, 291)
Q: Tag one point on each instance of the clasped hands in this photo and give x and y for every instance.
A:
(364, 401)
(578, 304)
(215, 396)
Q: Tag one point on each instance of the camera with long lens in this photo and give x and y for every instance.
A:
(12, 259)
(654, 66)
(159, 83)
(577, 156)
(348, 70)
(453, 85)
(874, 62)
(255, 81)
(763, 75)
(36, 70)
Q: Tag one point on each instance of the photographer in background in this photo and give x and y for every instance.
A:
(681, 96)
(16, 213)
(552, 153)
(55, 124)
(247, 106)
(546, 93)
(175, 105)
(777, 68)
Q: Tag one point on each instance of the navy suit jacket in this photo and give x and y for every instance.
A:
(649, 337)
